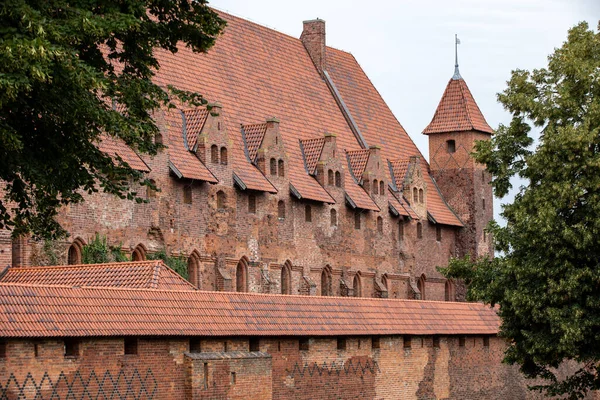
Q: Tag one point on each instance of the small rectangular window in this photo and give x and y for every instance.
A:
(225, 347)
(436, 342)
(36, 349)
(303, 344)
(451, 146)
(71, 347)
(254, 344)
(308, 213)
(130, 345)
(195, 345)
(461, 341)
(438, 233)
(233, 378)
(341, 343)
(483, 203)
(187, 194)
(2, 349)
(375, 342)
(407, 342)
(357, 220)
(252, 203)
(486, 341)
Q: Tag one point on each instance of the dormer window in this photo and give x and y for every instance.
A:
(415, 195)
(338, 179)
(273, 165)
(421, 200)
(381, 187)
(214, 154)
(281, 168)
(451, 146)
(307, 213)
(330, 177)
(375, 187)
(224, 155)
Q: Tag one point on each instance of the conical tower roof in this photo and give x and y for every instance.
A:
(457, 110)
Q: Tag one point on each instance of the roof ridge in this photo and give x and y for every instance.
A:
(67, 266)
(462, 92)
(241, 294)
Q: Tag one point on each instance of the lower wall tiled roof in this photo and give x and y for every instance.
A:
(61, 311)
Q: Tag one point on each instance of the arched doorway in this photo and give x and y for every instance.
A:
(326, 281)
(241, 276)
(286, 278)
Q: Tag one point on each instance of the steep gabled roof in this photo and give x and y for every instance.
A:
(194, 119)
(55, 311)
(311, 150)
(253, 136)
(115, 148)
(152, 274)
(457, 111)
(357, 160)
(399, 169)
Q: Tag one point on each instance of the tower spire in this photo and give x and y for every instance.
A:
(456, 72)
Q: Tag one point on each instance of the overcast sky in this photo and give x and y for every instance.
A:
(407, 47)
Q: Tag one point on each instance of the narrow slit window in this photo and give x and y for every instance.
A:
(381, 187)
(281, 210)
(357, 220)
(338, 179)
(415, 195)
(375, 187)
(333, 217)
(438, 233)
(273, 166)
(421, 197)
(214, 154)
(252, 203)
(419, 230)
(379, 224)
(307, 213)
(224, 155)
(281, 168)
(187, 194)
(330, 178)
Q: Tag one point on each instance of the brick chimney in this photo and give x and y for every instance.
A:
(313, 38)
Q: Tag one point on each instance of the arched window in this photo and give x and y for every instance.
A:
(214, 154)
(357, 220)
(308, 213)
(193, 269)
(281, 167)
(221, 200)
(449, 291)
(386, 282)
(326, 281)
(75, 252)
(381, 187)
(379, 224)
(415, 195)
(421, 286)
(419, 230)
(451, 146)
(139, 253)
(333, 217)
(241, 276)
(252, 203)
(273, 166)
(151, 193)
(286, 278)
(375, 187)
(356, 285)
(281, 209)
(158, 138)
(330, 179)
(421, 196)
(338, 179)
(224, 155)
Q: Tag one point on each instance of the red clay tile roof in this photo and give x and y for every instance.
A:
(311, 150)
(357, 160)
(357, 195)
(397, 205)
(53, 311)
(185, 164)
(254, 135)
(438, 208)
(117, 147)
(194, 122)
(457, 111)
(139, 274)
(399, 169)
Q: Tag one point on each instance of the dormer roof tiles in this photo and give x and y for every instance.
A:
(195, 119)
(254, 135)
(312, 149)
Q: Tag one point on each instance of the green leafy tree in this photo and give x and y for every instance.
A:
(546, 278)
(63, 64)
(98, 251)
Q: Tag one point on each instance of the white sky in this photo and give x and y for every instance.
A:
(407, 47)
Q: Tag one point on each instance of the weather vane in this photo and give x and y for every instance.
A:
(456, 43)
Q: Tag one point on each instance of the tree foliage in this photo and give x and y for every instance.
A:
(98, 251)
(63, 64)
(546, 278)
(176, 263)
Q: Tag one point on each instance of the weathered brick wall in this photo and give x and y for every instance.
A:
(277, 368)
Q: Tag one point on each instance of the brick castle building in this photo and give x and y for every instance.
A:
(312, 228)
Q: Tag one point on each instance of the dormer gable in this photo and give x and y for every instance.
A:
(205, 133)
(414, 187)
(321, 160)
(369, 170)
(265, 148)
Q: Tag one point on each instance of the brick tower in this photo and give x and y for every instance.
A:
(457, 124)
